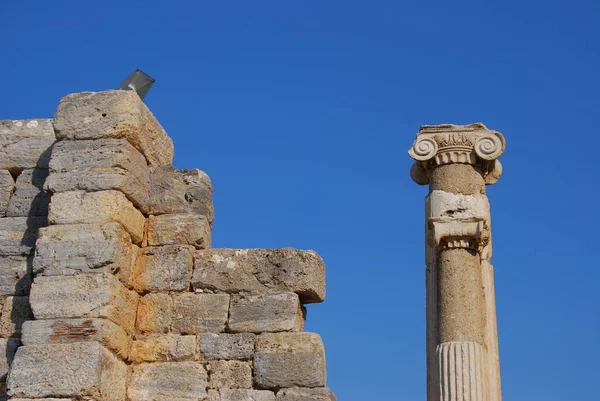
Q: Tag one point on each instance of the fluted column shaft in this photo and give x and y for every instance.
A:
(462, 352)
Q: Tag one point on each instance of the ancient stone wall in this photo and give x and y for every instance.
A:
(109, 287)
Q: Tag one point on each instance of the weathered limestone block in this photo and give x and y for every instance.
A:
(7, 186)
(29, 198)
(199, 193)
(226, 346)
(163, 348)
(127, 273)
(167, 191)
(25, 144)
(241, 395)
(15, 274)
(114, 114)
(449, 206)
(179, 229)
(43, 399)
(65, 331)
(165, 268)
(155, 313)
(168, 381)
(289, 360)
(8, 347)
(18, 234)
(265, 313)
(261, 271)
(305, 394)
(73, 248)
(15, 311)
(67, 370)
(229, 374)
(100, 165)
(84, 295)
(80, 207)
(199, 313)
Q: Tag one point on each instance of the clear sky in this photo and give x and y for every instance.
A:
(302, 113)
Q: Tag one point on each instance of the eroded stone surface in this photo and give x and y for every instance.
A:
(155, 313)
(8, 347)
(199, 313)
(289, 360)
(163, 348)
(80, 207)
(72, 248)
(7, 186)
(229, 374)
(199, 193)
(84, 295)
(15, 311)
(25, 144)
(179, 229)
(114, 114)
(165, 268)
(226, 346)
(167, 191)
(168, 381)
(64, 331)
(265, 313)
(15, 275)
(67, 370)
(242, 395)
(18, 234)
(98, 165)
(258, 271)
(305, 394)
(29, 198)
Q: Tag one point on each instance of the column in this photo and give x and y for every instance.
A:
(457, 162)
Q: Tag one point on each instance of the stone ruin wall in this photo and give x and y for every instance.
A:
(109, 287)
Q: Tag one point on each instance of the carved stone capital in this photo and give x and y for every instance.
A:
(459, 234)
(474, 144)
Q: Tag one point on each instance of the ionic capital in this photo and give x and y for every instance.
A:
(473, 144)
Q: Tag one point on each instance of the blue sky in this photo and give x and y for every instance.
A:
(302, 113)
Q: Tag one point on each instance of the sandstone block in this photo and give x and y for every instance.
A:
(163, 348)
(199, 193)
(168, 381)
(243, 395)
(99, 165)
(305, 394)
(126, 273)
(8, 347)
(167, 191)
(289, 360)
(25, 144)
(65, 331)
(165, 268)
(199, 313)
(29, 198)
(229, 374)
(15, 274)
(68, 370)
(155, 312)
(179, 229)
(226, 346)
(258, 271)
(18, 234)
(266, 313)
(84, 296)
(72, 248)
(114, 114)
(7, 186)
(80, 207)
(15, 311)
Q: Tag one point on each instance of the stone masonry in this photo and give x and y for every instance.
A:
(109, 287)
(462, 338)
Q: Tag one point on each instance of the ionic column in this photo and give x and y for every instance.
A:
(462, 343)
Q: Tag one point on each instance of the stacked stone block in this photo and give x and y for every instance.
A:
(129, 301)
(25, 148)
